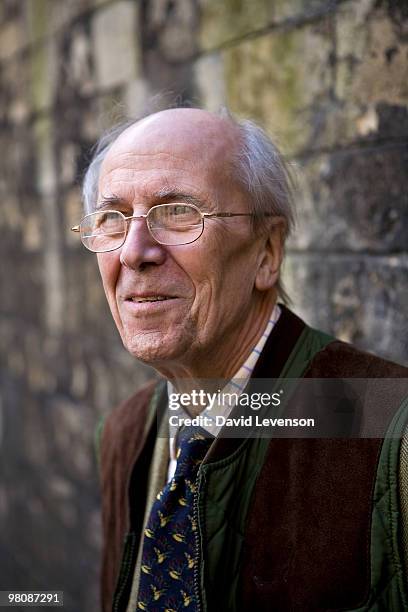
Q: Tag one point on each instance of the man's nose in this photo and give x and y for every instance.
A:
(140, 248)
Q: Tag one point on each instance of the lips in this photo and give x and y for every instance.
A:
(152, 298)
(148, 298)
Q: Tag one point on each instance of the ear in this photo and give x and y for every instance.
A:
(270, 257)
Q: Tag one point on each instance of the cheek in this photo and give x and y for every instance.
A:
(237, 278)
(109, 267)
(220, 271)
(203, 266)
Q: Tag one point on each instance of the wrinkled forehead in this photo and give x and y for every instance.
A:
(184, 138)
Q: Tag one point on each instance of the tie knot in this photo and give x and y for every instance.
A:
(192, 446)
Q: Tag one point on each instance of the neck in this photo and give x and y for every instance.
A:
(218, 364)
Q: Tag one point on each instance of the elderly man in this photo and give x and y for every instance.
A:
(188, 212)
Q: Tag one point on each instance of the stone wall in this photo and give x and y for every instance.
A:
(328, 78)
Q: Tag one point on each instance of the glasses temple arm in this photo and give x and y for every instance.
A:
(228, 214)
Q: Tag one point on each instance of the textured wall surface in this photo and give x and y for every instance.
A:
(328, 78)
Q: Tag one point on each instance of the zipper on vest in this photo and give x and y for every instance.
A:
(196, 582)
(122, 592)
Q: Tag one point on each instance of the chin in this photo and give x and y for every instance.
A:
(155, 347)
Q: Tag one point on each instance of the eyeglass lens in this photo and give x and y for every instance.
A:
(169, 224)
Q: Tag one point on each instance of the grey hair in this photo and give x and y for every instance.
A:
(268, 179)
(91, 178)
(264, 174)
(257, 165)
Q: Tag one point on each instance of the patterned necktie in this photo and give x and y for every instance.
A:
(169, 546)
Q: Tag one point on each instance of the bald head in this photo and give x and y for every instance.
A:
(205, 137)
(183, 124)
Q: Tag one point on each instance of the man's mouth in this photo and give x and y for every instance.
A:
(152, 298)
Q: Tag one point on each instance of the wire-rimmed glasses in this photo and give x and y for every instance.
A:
(170, 224)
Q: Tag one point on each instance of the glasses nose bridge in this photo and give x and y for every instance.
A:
(143, 217)
(133, 218)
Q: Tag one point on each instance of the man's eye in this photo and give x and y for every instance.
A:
(180, 209)
(103, 218)
(108, 220)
